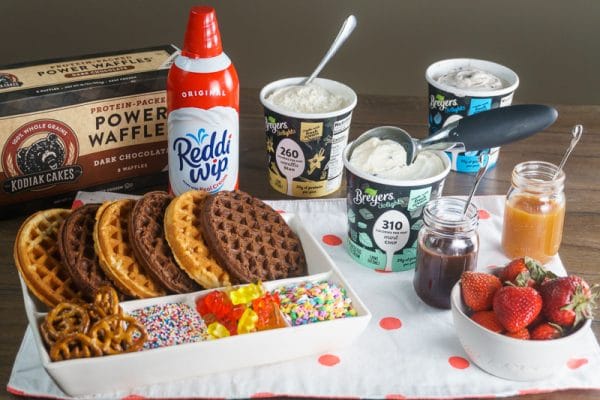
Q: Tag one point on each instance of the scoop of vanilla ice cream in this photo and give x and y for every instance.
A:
(310, 99)
(387, 159)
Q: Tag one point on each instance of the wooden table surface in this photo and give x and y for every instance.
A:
(580, 248)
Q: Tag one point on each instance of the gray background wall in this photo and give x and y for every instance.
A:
(554, 45)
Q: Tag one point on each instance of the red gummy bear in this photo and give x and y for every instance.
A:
(217, 306)
(267, 309)
(216, 303)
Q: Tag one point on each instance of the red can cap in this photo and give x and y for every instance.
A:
(202, 37)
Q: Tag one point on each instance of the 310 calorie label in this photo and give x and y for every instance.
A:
(391, 232)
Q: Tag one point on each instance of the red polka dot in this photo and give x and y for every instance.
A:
(332, 240)
(575, 363)
(262, 395)
(458, 362)
(329, 360)
(76, 204)
(483, 214)
(390, 323)
(395, 397)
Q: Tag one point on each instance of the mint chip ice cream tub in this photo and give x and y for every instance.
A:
(460, 87)
(385, 199)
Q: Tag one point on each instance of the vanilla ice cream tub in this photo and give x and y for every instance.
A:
(461, 87)
(385, 199)
(306, 129)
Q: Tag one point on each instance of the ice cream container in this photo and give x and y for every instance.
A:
(464, 86)
(304, 144)
(385, 214)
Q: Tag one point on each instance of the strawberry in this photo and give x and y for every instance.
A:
(478, 289)
(488, 320)
(525, 271)
(522, 334)
(567, 300)
(516, 307)
(546, 331)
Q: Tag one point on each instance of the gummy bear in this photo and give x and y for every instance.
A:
(216, 303)
(217, 331)
(246, 294)
(267, 309)
(247, 322)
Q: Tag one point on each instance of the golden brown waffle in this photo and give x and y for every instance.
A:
(250, 239)
(182, 230)
(111, 242)
(38, 259)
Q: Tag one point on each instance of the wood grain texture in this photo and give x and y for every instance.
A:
(581, 240)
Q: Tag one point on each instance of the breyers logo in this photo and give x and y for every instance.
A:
(273, 126)
(441, 103)
(205, 156)
(40, 154)
(371, 197)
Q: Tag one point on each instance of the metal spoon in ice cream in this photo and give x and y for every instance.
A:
(480, 131)
(343, 34)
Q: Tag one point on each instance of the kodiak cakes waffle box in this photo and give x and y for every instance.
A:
(95, 122)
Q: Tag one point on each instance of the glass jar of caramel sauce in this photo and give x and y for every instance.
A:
(448, 244)
(534, 211)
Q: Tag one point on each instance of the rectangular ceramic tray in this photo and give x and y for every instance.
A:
(125, 371)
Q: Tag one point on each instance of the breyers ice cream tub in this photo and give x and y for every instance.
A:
(306, 131)
(463, 86)
(385, 198)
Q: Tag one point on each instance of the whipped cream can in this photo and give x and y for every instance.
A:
(203, 111)
(474, 86)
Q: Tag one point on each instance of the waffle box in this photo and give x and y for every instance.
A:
(91, 122)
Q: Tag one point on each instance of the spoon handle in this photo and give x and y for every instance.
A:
(576, 132)
(345, 31)
(483, 167)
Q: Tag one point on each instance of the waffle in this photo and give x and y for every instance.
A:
(147, 237)
(250, 239)
(38, 260)
(111, 242)
(76, 247)
(182, 220)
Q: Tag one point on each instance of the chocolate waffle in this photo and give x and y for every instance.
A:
(182, 230)
(250, 239)
(111, 242)
(37, 257)
(147, 237)
(76, 247)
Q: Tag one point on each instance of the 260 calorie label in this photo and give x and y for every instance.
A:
(290, 161)
(304, 157)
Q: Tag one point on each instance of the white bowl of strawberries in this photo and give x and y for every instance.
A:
(522, 322)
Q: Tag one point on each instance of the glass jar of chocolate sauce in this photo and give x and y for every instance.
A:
(448, 244)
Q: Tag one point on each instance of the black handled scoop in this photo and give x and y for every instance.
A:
(483, 130)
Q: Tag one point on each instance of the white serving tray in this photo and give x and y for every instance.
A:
(127, 371)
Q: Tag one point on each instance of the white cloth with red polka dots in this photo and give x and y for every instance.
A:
(409, 350)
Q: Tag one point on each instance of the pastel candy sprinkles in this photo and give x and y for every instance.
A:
(312, 302)
(170, 324)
